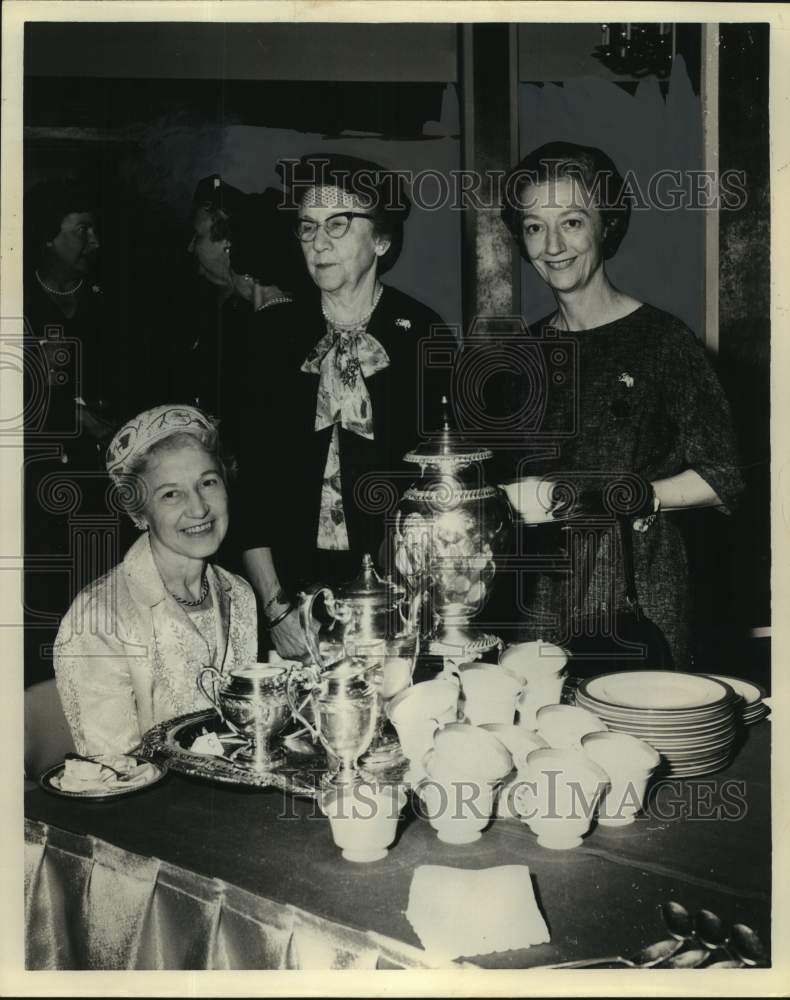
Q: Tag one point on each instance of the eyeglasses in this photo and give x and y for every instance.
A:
(336, 226)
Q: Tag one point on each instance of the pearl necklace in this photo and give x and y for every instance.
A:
(357, 323)
(203, 595)
(54, 291)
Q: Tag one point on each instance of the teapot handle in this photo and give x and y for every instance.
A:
(296, 710)
(306, 601)
(212, 697)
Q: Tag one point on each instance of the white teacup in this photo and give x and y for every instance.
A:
(532, 661)
(520, 742)
(541, 666)
(459, 810)
(489, 694)
(531, 497)
(563, 726)
(418, 711)
(629, 762)
(464, 751)
(537, 693)
(558, 794)
(363, 819)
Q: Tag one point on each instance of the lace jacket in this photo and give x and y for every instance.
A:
(127, 655)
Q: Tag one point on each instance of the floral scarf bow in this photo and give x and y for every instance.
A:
(343, 359)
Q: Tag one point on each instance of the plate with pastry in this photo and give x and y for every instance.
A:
(101, 777)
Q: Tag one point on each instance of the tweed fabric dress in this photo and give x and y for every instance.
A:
(641, 397)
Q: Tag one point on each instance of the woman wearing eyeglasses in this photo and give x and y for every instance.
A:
(343, 390)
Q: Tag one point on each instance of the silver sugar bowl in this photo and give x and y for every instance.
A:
(253, 698)
(344, 707)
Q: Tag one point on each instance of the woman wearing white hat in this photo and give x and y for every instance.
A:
(130, 648)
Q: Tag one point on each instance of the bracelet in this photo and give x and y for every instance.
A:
(277, 301)
(278, 598)
(645, 522)
(281, 617)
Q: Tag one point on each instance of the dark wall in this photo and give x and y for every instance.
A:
(242, 51)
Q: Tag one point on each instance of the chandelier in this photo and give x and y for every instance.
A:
(637, 50)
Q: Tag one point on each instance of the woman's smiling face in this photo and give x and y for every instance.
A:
(186, 506)
(563, 233)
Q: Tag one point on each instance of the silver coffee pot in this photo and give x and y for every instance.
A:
(364, 613)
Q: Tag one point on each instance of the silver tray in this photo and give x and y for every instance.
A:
(300, 773)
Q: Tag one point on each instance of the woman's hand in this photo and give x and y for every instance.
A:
(625, 495)
(288, 637)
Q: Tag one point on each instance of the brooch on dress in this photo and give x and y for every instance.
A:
(403, 323)
(620, 404)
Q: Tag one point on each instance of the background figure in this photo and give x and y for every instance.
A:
(337, 387)
(652, 426)
(243, 262)
(73, 397)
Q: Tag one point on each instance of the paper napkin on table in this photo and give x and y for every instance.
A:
(456, 912)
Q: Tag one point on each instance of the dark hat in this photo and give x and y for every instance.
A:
(213, 192)
(258, 229)
(380, 189)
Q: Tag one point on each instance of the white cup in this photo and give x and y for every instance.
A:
(459, 810)
(489, 694)
(418, 711)
(540, 665)
(537, 694)
(463, 751)
(557, 796)
(363, 819)
(520, 742)
(534, 660)
(629, 762)
(531, 497)
(563, 726)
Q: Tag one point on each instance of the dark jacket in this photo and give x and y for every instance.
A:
(282, 458)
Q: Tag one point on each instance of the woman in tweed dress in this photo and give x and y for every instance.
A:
(644, 430)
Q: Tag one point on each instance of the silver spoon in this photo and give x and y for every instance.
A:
(711, 932)
(689, 959)
(748, 947)
(678, 920)
(647, 958)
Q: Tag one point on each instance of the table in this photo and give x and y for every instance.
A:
(194, 875)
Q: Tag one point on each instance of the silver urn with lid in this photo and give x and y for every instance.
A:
(449, 526)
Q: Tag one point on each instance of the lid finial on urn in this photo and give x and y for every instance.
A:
(446, 447)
